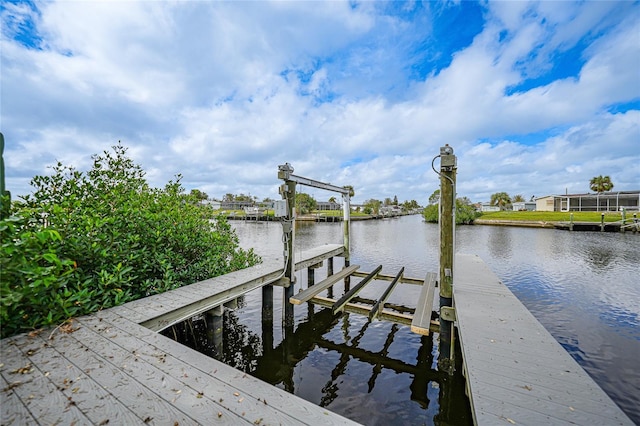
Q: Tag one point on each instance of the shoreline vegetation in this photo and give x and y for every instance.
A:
(86, 241)
(318, 215)
(533, 219)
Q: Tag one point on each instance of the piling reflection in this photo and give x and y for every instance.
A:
(433, 397)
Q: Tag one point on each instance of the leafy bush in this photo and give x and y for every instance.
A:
(305, 203)
(465, 213)
(88, 241)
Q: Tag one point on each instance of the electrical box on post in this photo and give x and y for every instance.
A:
(280, 208)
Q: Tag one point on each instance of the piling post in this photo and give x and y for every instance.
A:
(267, 303)
(214, 321)
(601, 222)
(346, 228)
(570, 221)
(329, 273)
(288, 192)
(448, 168)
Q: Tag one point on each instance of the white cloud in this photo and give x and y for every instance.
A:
(224, 92)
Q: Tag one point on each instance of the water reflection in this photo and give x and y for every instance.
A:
(582, 286)
(318, 359)
(500, 242)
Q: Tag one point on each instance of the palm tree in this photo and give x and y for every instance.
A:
(519, 198)
(601, 184)
(351, 191)
(501, 199)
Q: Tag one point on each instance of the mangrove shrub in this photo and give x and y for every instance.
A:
(465, 213)
(88, 241)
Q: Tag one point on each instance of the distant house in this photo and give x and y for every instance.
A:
(326, 205)
(600, 202)
(487, 207)
(236, 205)
(546, 203)
(214, 204)
(390, 210)
(524, 205)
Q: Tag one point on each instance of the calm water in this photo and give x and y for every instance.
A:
(583, 287)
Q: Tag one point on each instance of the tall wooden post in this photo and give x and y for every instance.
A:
(288, 192)
(329, 273)
(447, 217)
(346, 228)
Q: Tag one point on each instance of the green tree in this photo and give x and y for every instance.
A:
(352, 192)
(198, 195)
(601, 184)
(88, 241)
(305, 203)
(372, 206)
(435, 197)
(518, 198)
(465, 212)
(413, 204)
(500, 199)
(395, 200)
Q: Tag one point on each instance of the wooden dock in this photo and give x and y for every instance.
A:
(108, 368)
(113, 367)
(516, 372)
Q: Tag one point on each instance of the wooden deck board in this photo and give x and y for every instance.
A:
(515, 370)
(161, 311)
(112, 368)
(422, 317)
(32, 388)
(94, 401)
(202, 390)
(312, 291)
(13, 411)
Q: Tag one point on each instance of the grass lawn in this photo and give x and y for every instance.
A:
(554, 216)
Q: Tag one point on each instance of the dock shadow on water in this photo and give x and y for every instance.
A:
(375, 373)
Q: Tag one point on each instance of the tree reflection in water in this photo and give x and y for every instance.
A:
(433, 396)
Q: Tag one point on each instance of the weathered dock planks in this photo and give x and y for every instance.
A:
(312, 291)
(516, 372)
(421, 322)
(161, 311)
(107, 368)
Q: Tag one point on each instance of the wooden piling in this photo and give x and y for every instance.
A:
(289, 192)
(214, 320)
(571, 222)
(329, 273)
(447, 241)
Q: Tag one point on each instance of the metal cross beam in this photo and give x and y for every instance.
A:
(285, 172)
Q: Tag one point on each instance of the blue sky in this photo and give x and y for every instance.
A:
(536, 98)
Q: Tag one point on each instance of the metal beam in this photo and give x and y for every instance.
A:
(317, 184)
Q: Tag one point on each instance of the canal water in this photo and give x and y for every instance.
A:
(584, 287)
